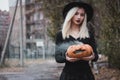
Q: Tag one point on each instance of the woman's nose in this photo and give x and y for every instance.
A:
(78, 16)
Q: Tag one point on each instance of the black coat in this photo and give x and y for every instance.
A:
(79, 70)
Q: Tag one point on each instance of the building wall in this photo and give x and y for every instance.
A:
(4, 25)
(34, 27)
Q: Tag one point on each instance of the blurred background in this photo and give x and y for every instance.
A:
(28, 29)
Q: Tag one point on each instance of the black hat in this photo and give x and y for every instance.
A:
(88, 9)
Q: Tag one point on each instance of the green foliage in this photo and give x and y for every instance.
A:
(110, 31)
(108, 40)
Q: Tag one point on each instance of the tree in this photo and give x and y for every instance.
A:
(108, 12)
(110, 30)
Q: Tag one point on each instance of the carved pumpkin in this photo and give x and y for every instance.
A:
(84, 50)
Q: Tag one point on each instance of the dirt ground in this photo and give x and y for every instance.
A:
(106, 73)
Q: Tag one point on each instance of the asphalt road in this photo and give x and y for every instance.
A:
(47, 70)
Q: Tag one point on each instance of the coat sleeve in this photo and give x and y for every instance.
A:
(94, 46)
(59, 52)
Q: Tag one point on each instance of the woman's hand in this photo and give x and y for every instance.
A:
(70, 49)
(71, 59)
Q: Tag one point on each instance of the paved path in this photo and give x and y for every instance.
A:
(47, 70)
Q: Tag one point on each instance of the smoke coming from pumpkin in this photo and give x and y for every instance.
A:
(62, 48)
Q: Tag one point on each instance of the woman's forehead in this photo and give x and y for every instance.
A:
(81, 10)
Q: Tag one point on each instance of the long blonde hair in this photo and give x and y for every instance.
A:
(67, 24)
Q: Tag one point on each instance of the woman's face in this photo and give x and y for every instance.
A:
(78, 18)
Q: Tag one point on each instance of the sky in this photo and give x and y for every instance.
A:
(4, 5)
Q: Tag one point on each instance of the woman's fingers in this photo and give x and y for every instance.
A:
(70, 59)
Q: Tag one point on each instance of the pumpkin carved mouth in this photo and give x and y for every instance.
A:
(78, 51)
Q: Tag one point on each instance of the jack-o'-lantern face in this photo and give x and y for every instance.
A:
(84, 50)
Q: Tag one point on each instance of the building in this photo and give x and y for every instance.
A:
(35, 39)
(4, 25)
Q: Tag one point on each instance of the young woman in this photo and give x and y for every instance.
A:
(76, 15)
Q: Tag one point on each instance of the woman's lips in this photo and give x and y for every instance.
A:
(78, 21)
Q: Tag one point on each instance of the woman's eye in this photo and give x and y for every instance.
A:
(76, 13)
(82, 14)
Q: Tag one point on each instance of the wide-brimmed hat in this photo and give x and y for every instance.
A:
(88, 9)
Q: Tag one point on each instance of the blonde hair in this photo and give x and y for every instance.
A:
(67, 24)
